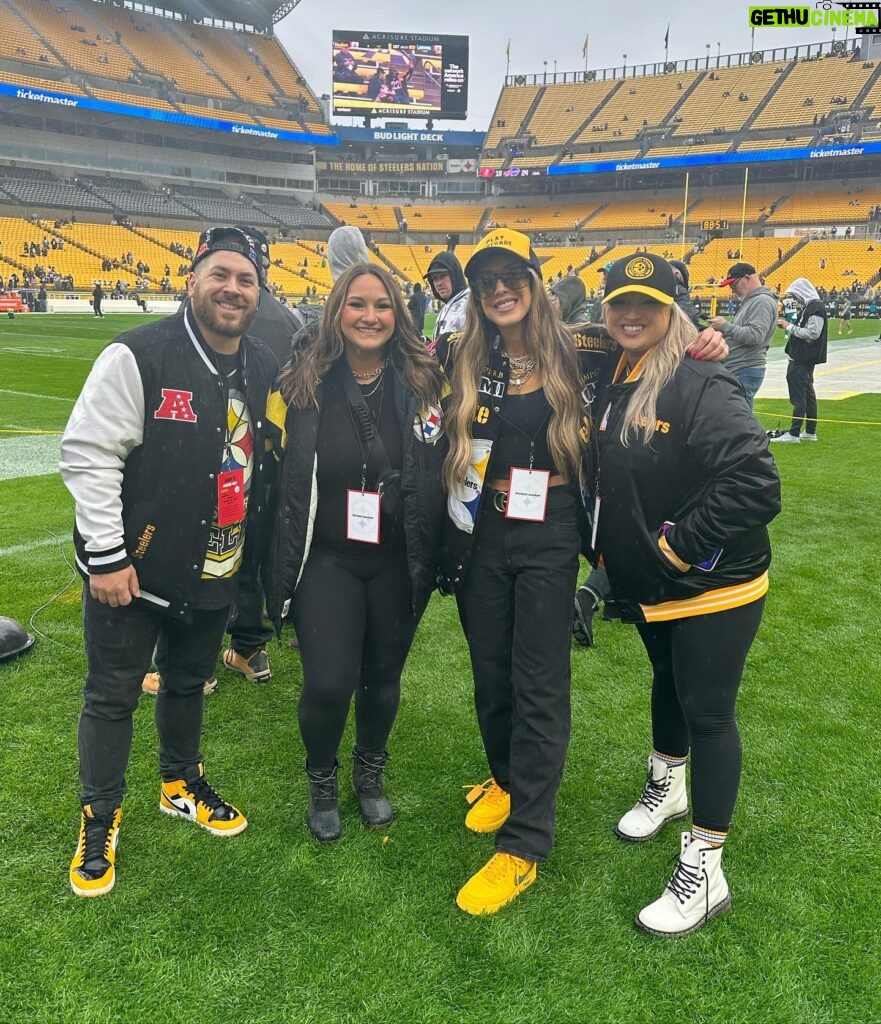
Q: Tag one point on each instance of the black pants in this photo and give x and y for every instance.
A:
(800, 381)
(698, 664)
(119, 647)
(355, 628)
(248, 628)
(516, 610)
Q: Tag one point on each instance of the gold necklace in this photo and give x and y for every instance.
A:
(370, 374)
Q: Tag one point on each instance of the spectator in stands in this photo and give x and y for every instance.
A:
(596, 315)
(807, 326)
(749, 333)
(448, 284)
(97, 298)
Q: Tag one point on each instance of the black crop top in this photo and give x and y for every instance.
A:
(340, 457)
(523, 417)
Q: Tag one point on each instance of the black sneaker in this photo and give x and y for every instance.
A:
(582, 624)
(93, 868)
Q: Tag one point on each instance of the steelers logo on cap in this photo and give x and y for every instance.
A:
(639, 268)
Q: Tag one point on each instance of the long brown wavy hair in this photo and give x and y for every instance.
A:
(554, 350)
(310, 362)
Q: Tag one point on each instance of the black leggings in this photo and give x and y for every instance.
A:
(355, 628)
(698, 664)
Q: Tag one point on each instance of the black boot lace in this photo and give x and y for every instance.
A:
(655, 792)
(685, 883)
(99, 832)
(368, 772)
(206, 795)
(323, 785)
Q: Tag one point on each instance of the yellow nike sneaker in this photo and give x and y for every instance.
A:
(93, 868)
(491, 807)
(196, 801)
(499, 881)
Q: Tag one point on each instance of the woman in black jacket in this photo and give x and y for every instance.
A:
(356, 539)
(686, 488)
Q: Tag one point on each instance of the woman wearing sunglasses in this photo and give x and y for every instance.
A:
(518, 422)
(686, 488)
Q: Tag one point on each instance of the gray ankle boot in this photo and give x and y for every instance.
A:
(376, 809)
(323, 816)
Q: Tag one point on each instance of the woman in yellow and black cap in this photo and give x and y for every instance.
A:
(685, 490)
(517, 421)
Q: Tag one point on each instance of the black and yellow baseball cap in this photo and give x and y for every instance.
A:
(644, 273)
(502, 240)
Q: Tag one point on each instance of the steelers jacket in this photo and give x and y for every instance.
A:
(294, 438)
(597, 356)
(141, 452)
(682, 525)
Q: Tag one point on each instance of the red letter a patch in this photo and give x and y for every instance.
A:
(176, 405)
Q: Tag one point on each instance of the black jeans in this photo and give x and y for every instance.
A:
(119, 647)
(697, 667)
(355, 627)
(800, 381)
(516, 610)
(249, 629)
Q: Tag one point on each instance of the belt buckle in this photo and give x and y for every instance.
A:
(500, 501)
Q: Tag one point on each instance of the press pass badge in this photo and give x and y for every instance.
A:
(362, 516)
(230, 496)
(527, 494)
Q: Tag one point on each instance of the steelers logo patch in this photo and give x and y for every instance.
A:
(639, 268)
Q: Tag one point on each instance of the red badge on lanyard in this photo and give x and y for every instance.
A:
(230, 496)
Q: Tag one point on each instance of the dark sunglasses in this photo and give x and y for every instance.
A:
(485, 284)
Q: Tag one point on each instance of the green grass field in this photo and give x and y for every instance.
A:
(270, 927)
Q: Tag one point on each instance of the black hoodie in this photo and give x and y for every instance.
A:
(447, 261)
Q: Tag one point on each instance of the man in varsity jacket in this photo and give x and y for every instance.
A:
(162, 455)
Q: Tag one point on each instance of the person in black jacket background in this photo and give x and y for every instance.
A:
(416, 305)
(357, 532)
(807, 332)
(686, 488)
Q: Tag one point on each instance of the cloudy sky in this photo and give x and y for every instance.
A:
(538, 32)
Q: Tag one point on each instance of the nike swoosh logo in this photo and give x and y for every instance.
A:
(182, 805)
(520, 879)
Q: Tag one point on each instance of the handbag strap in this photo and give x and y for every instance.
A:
(366, 427)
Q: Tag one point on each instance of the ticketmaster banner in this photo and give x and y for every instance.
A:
(704, 159)
(57, 99)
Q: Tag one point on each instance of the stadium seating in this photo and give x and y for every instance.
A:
(561, 217)
(842, 206)
(789, 141)
(721, 253)
(563, 109)
(366, 217)
(831, 264)
(512, 106)
(635, 104)
(817, 81)
(50, 194)
(33, 82)
(715, 102)
(442, 218)
(729, 206)
(637, 213)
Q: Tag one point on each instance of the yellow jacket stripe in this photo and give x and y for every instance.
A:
(711, 601)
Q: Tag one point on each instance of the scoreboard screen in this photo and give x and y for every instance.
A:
(400, 74)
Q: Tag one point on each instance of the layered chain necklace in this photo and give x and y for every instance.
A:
(371, 377)
(522, 368)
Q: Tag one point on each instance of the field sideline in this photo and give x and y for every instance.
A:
(272, 928)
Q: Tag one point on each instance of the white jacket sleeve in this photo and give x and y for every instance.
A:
(106, 424)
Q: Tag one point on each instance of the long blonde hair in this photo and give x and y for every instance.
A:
(658, 366)
(300, 378)
(556, 358)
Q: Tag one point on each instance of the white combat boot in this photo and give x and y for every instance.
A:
(696, 893)
(663, 800)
